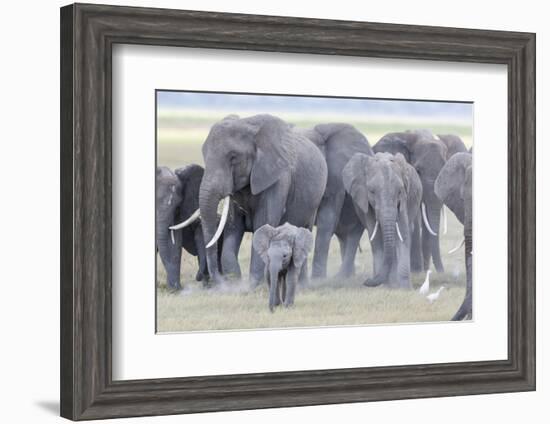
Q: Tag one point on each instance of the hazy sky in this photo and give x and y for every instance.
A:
(276, 103)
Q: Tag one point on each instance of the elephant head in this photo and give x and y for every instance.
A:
(240, 154)
(168, 200)
(454, 187)
(427, 155)
(284, 250)
(177, 196)
(385, 186)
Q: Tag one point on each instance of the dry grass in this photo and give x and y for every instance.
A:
(329, 302)
(321, 303)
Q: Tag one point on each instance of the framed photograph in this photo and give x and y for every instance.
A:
(261, 212)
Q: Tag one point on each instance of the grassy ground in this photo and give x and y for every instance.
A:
(321, 303)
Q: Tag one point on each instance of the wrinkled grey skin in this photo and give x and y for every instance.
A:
(177, 197)
(454, 187)
(453, 143)
(385, 188)
(283, 250)
(336, 214)
(427, 155)
(280, 173)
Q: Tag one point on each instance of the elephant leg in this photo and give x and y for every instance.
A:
(199, 276)
(303, 278)
(170, 255)
(351, 244)
(416, 248)
(291, 282)
(232, 239)
(202, 273)
(327, 220)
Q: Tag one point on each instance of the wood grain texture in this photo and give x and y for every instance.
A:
(88, 33)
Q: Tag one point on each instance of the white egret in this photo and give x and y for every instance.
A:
(434, 296)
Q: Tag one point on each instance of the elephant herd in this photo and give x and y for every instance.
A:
(278, 182)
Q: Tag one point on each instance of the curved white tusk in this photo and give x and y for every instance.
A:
(371, 238)
(172, 237)
(196, 215)
(225, 212)
(444, 212)
(398, 232)
(457, 247)
(426, 223)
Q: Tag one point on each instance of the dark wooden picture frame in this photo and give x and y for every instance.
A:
(88, 33)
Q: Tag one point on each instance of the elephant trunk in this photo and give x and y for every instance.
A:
(389, 230)
(170, 255)
(209, 197)
(274, 269)
(465, 309)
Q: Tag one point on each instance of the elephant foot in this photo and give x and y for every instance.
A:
(199, 276)
(174, 288)
(345, 273)
(318, 272)
(215, 281)
(373, 282)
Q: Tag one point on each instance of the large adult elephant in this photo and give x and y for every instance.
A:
(281, 174)
(427, 155)
(454, 187)
(177, 197)
(336, 214)
(386, 193)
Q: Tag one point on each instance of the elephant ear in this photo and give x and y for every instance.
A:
(449, 184)
(261, 239)
(303, 242)
(402, 164)
(274, 153)
(354, 179)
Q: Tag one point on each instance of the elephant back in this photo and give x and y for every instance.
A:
(340, 142)
(453, 143)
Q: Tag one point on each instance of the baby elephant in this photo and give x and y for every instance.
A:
(284, 250)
